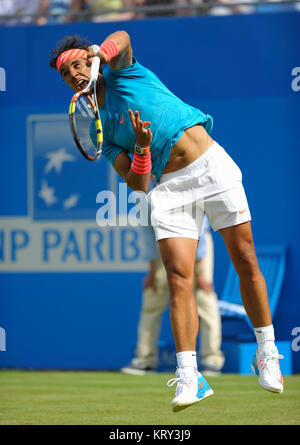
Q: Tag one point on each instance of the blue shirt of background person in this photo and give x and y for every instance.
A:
(59, 8)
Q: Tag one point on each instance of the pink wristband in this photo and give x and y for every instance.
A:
(141, 164)
(110, 48)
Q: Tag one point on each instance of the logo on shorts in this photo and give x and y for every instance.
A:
(242, 211)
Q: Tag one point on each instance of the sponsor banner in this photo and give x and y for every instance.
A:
(66, 230)
(78, 246)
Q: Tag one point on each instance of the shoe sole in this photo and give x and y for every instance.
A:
(274, 390)
(181, 406)
(270, 389)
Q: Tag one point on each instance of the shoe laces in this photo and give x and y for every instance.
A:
(269, 360)
(180, 378)
(172, 382)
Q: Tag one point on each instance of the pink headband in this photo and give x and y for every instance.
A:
(70, 54)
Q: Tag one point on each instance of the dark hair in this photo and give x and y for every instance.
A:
(68, 42)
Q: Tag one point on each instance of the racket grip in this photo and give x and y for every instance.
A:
(95, 69)
(96, 49)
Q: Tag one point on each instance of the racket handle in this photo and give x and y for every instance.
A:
(95, 49)
(95, 64)
(95, 69)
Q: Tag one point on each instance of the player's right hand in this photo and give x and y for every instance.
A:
(101, 54)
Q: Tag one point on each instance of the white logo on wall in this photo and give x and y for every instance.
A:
(55, 161)
(2, 79)
(296, 80)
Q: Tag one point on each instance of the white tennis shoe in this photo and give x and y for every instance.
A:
(265, 364)
(190, 389)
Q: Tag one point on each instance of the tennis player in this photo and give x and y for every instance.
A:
(171, 140)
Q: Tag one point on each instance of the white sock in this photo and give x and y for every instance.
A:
(188, 361)
(265, 337)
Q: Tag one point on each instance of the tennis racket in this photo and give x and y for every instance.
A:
(84, 116)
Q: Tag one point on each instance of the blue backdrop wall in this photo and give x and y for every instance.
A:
(71, 290)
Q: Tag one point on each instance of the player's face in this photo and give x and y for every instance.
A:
(76, 73)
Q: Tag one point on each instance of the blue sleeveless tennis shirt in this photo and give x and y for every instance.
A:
(137, 88)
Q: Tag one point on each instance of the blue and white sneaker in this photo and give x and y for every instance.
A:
(265, 365)
(190, 389)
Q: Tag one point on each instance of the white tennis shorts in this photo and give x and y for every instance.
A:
(210, 185)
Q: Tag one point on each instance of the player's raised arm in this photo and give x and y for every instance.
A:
(137, 173)
(115, 50)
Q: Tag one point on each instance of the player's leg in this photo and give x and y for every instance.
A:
(179, 255)
(240, 246)
(177, 217)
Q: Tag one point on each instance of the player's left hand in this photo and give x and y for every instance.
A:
(143, 135)
(150, 282)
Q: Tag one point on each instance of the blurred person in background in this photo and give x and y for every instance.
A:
(21, 12)
(223, 9)
(270, 8)
(202, 7)
(82, 6)
(98, 8)
(58, 11)
(160, 12)
(189, 11)
(156, 299)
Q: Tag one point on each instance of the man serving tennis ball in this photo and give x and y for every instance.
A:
(171, 140)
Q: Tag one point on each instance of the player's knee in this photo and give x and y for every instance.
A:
(180, 280)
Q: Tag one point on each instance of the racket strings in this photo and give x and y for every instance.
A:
(85, 121)
(85, 125)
